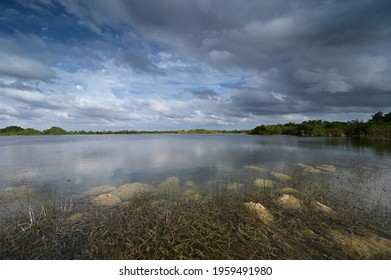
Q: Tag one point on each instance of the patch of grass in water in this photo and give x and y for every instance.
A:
(219, 226)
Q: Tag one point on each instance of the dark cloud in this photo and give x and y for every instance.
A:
(140, 62)
(251, 101)
(205, 94)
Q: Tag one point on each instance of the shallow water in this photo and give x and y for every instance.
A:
(83, 161)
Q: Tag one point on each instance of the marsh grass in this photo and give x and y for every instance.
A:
(162, 225)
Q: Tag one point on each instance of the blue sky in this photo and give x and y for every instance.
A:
(173, 64)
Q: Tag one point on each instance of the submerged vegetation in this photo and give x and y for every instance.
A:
(311, 212)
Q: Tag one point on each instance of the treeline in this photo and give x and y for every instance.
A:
(17, 130)
(376, 128)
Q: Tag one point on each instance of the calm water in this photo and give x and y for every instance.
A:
(83, 161)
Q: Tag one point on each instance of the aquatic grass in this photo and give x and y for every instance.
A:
(167, 225)
(36, 217)
(358, 194)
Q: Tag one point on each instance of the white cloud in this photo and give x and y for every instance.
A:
(279, 96)
(167, 61)
(90, 103)
(6, 109)
(5, 117)
(32, 98)
(25, 68)
(23, 95)
(62, 115)
(79, 87)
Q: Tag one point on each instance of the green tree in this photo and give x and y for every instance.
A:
(11, 130)
(30, 131)
(387, 118)
(54, 130)
(377, 118)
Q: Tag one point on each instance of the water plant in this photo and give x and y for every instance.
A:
(222, 223)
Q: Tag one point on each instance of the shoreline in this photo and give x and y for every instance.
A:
(370, 138)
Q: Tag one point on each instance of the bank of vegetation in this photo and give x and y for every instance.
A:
(376, 128)
(19, 131)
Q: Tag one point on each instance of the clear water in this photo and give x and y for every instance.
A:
(84, 161)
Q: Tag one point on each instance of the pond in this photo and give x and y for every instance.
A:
(83, 161)
(166, 196)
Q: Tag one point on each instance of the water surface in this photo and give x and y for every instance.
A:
(83, 161)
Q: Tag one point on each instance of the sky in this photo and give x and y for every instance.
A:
(177, 64)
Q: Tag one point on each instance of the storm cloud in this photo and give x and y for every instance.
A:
(175, 64)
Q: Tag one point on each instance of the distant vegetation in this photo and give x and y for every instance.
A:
(376, 128)
(17, 130)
